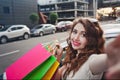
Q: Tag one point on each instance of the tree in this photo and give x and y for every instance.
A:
(34, 18)
(53, 17)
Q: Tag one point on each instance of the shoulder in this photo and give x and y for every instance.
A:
(97, 59)
(97, 63)
(97, 56)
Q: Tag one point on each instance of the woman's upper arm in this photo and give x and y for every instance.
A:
(98, 63)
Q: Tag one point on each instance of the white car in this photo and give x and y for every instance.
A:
(13, 31)
(118, 19)
(111, 30)
(40, 30)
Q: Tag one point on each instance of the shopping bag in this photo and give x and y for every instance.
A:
(41, 70)
(49, 47)
(51, 71)
(27, 63)
(54, 75)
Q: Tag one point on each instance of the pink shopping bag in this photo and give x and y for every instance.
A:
(28, 62)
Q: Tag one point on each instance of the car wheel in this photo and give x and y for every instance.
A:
(63, 29)
(26, 36)
(3, 40)
(53, 31)
(41, 34)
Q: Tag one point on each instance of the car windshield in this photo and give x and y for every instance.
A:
(109, 26)
(64, 23)
(37, 27)
(5, 28)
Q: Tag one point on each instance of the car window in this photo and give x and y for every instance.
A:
(14, 28)
(4, 28)
(47, 26)
(38, 27)
(19, 28)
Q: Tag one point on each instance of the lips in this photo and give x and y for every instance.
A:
(75, 43)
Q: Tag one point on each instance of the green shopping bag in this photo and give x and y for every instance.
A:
(41, 70)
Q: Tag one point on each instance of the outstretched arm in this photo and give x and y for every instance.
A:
(98, 63)
(113, 52)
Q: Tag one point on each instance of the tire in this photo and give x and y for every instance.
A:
(26, 36)
(3, 40)
(53, 31)
(63, 29)
(41, 34)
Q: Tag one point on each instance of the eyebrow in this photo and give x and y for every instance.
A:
(80, 31)
(83, 31)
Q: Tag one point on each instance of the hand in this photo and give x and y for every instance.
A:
(113, 72)
(58, 51)
(113, 52)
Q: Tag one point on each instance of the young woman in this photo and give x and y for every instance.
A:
(82, 60)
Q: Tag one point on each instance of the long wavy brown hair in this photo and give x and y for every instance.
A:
(101, 40)
(95, 45)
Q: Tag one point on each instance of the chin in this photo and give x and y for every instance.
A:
(75, 47)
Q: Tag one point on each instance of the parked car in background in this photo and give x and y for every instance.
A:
(1, 26)
(111, 30)
(40, 30)
(13, 32)
(118, 20)
(63, 25)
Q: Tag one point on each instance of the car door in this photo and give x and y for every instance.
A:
(20, 31)
(50, 28)
(46, 29)
(12, 33)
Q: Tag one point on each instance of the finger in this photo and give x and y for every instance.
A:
(58, 46)
(114, 44)
(54, 51)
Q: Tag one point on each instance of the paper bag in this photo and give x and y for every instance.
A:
(27, 63)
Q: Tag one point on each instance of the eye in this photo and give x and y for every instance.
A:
(83, 34)
(74, 31)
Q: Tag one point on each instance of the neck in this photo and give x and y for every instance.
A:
(78, 52)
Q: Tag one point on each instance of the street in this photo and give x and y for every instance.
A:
(11, 51)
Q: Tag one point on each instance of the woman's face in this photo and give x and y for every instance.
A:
(77, 38)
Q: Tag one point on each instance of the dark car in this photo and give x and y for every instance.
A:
(63, 25)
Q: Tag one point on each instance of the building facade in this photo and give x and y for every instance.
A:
(17, 11)
(68, 9)
(111, 3)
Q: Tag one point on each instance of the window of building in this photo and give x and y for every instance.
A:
(64, 0)
(6, 10)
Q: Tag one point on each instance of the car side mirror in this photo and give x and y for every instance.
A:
(9, 30)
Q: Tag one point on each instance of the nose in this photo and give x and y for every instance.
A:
(77, 37)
